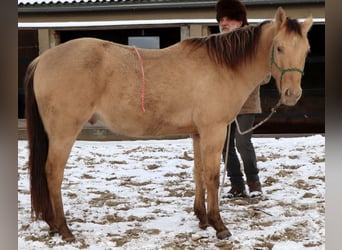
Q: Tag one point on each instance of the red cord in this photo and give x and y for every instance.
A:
(143, 80)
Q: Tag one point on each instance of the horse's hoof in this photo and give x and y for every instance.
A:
(70, 238)
(223, 234)
(203, 225)
(52, 232)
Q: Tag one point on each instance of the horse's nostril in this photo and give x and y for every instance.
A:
(287, 92)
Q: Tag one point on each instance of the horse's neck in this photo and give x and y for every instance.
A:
(260, 65)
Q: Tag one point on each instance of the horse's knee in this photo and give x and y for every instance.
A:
(212, 181)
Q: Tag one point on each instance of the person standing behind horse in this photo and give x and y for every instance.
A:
(230, 15)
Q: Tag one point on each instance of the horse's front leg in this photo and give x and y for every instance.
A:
(199, 204)
(211, 144)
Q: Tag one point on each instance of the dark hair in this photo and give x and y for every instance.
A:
(232, 9)
(232, 48)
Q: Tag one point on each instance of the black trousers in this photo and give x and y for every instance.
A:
(244, 146)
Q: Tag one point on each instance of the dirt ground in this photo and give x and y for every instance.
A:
(141, 197)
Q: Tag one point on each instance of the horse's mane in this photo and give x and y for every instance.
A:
(233, 48)
(292, 25)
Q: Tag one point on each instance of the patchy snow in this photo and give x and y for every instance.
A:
(139, 195)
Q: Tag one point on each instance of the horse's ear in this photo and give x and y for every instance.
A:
(306, 25)
(280, 17)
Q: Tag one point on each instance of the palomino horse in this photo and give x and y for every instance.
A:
(194, 87)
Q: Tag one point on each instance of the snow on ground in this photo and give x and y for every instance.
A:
(139, 195)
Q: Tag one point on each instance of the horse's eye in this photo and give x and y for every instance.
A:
(280, 49)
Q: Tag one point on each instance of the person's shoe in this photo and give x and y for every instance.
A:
(235, 192)
(255, 190)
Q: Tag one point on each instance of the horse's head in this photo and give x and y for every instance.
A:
(289, 50)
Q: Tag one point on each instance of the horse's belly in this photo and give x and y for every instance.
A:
(148, 128)
(142, 132)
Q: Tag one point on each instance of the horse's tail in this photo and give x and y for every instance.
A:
(38, 143)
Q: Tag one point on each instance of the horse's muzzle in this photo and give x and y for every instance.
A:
(290, 97)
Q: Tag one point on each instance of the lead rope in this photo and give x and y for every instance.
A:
(142, 79)
(273, 110)
(225, 163)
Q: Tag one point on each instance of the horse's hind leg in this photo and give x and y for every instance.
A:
(199, 204)
(58, 154)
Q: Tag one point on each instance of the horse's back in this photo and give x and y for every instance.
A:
(84, 55)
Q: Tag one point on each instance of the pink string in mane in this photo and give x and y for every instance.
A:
(143, 80)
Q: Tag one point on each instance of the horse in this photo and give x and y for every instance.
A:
(195, 87)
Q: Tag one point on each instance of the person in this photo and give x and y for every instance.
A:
(230, 15)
